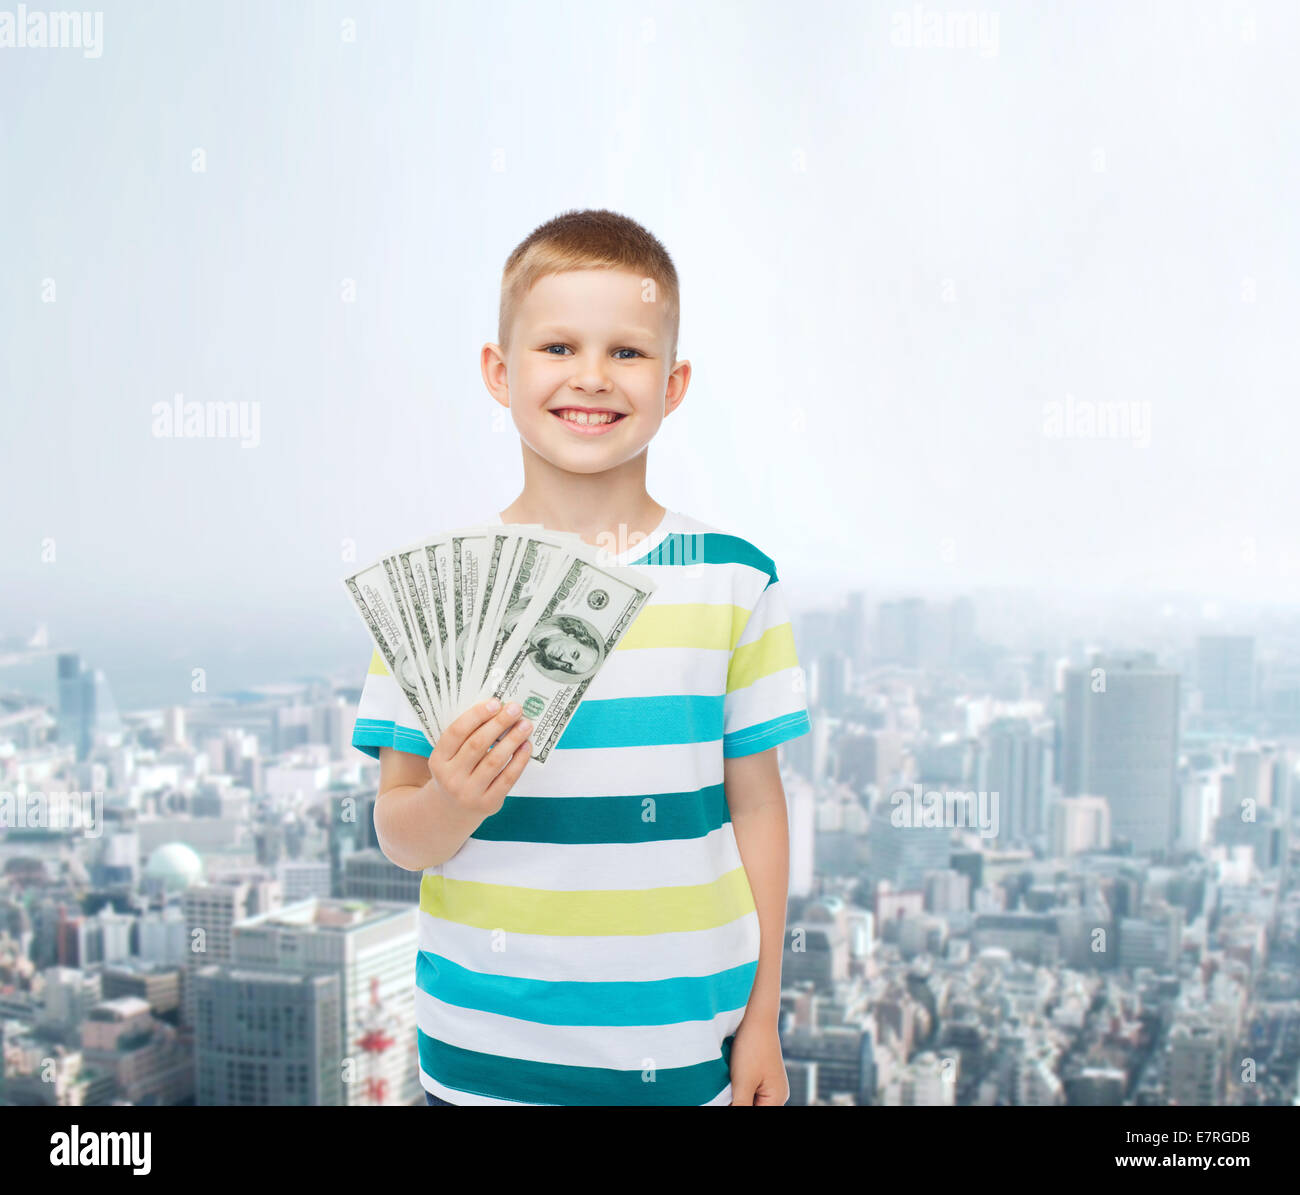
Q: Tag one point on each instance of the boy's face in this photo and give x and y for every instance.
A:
(587, 338)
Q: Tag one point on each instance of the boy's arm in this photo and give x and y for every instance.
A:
(414, 823)
(427, 808)
(756, 799)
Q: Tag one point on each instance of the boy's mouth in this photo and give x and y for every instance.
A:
(586, 423)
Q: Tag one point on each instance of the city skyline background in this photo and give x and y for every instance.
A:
(944, 240)
(920, 249)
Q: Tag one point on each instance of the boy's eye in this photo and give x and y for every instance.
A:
(549, 347)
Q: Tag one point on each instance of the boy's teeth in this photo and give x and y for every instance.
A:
(583, 417)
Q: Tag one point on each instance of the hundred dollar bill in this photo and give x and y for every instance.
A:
(440, 553)
(479, 557)
(446, 614)
(537, 554)
(376, 603)
(429, 624)
(499, 555)
(561, 641)
(404, 603)
(468, 556)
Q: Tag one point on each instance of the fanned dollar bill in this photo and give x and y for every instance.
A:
(562, 639)
(506, 610)
(378, 607)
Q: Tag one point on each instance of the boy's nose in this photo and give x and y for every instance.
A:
(591, 368)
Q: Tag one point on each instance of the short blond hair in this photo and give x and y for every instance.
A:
(583, 240)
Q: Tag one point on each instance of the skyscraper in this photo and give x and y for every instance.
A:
(1015, 761)
(1120, 741)
(86, 706)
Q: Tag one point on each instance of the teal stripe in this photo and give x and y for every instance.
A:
(529, 1082)
(586, 1002)
(638, 817)
(707, 547)
(621, 722)
(370, 734)
(614, 722)
(763, 735)
(644, 721)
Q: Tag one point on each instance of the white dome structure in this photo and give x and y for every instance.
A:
(176, 865)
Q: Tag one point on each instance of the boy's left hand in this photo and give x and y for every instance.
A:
(758, 1076)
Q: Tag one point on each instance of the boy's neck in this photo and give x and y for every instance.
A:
(595, 526)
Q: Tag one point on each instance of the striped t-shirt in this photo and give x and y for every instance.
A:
(595, 941)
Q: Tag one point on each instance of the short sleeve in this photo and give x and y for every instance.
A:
(765, 702)
(385, 717)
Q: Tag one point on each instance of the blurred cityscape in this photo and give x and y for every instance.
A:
(1059, 876)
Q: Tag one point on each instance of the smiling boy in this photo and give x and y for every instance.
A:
(611, 930)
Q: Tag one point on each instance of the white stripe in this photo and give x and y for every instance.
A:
(383, 699)
(661, 671)
(597, 866)
(598, 959)
(469, 1099)
(624, 771)
(612, 1047)
(702, 584)
(768, 697)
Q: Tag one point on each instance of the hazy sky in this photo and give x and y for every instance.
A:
(893, 258)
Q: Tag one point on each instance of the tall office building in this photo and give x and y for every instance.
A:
(1078, 824)
(1195, 1064)
(1280, 762)
(844, 1056)
(174, 726)
(1015, 761)
(817, 947)
(210, 912)
(1225, 672)
(86, 706)
(371, 875)
(1120, 741)
(1154, 939)
(868, 756)
(1251, 780)
(293, 1039)
(371, 947)
(901, 853)
(351, 827)
(266, 1037)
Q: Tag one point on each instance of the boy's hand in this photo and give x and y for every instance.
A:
(758, 1077)
(470, 768)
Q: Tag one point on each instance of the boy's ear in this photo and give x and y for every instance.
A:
(492, 363)
(678, 380)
